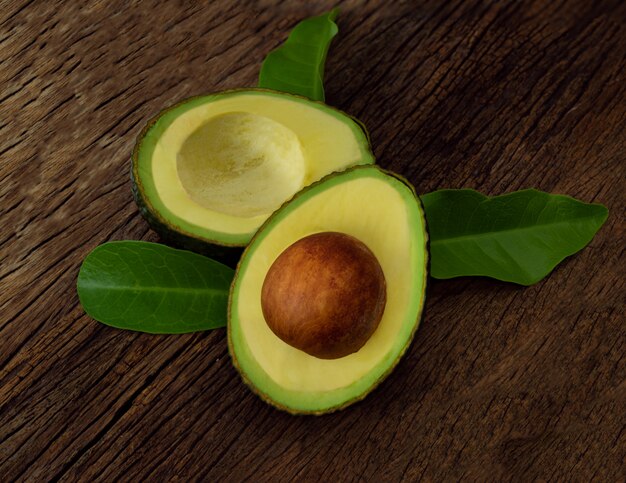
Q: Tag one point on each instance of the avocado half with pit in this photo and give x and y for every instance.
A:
(328, 295)
(210, 170)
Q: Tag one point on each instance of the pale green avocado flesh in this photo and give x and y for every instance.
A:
(211, 169)
(382, 211)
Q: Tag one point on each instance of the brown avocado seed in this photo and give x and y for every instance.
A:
(324, 295)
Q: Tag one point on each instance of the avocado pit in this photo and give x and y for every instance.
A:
(325, 295)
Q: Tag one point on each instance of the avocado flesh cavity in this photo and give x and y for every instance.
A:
(210, 170)
(383, 212)
(241, 164)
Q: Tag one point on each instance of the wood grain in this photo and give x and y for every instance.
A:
(501, 383)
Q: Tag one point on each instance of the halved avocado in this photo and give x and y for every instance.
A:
(210, 170)
(381, 211)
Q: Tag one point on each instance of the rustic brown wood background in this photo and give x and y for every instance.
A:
(501, 383)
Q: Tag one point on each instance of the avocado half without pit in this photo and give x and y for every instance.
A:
(210, 170)
(328, 295)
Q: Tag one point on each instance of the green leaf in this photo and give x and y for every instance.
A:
(297, 66)
(517, 237)
(153, 288)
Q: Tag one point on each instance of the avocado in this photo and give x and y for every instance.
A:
(210, 170)
(328, 295)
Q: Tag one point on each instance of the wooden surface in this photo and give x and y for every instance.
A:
(501, 382)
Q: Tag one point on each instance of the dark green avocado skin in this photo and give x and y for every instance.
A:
(228, 255)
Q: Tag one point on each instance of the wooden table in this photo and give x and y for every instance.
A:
(502, 382)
